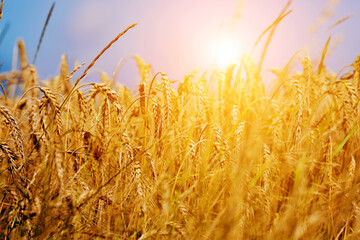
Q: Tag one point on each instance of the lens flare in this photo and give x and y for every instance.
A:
(227, 53)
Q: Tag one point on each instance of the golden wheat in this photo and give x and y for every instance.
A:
(221, 156)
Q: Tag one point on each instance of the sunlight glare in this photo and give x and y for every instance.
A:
(227, 53)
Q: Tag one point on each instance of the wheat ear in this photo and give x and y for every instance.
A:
(13, 124)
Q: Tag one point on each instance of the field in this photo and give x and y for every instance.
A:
(218, 155)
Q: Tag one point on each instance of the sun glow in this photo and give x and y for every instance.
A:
(227, 53)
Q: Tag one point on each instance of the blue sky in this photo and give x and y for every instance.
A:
(174, 36)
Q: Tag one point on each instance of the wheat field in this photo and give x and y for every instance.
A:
(218, 155)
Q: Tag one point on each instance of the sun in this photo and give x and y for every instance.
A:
(227, 53)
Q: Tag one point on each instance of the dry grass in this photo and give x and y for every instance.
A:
(218, 157)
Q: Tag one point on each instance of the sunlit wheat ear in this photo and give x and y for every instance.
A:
(131, 157)
(350, 99)
(184, 211)
(307, 69)
(30, 79)
(193, 148)
(236, 136)
(137, 179)
(234, 114)
(352, 172)
(158, 119)
(144, 69)
(267, 161)
(151, 160)
(203, 109)
(167, 93)
(15, 129)
(186, 87)
(221, 146)
(104, 78)
(54, 104)
(22, 55)
(107, 92)
(82, 108)
(10, 155)
(356, 215)
(142, 97)
(104, 122)
(63, 79)
(124, 94)
(201, 100)
(34, 118)
(353, 96)
(309, 81)
(90, 104)
(299, 103)
(51, 97)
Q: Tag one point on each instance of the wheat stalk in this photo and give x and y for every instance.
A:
(43, 32)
